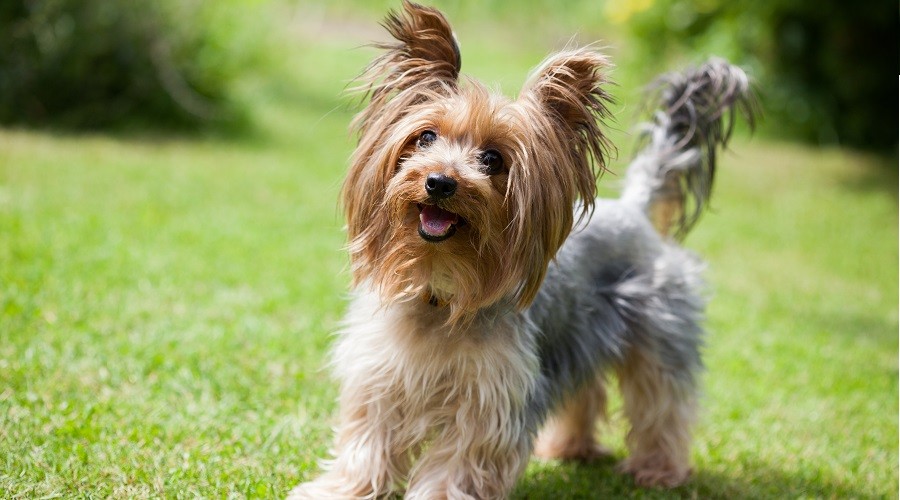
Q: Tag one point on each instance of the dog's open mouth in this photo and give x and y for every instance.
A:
(437, 224)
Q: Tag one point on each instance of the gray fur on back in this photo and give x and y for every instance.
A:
(617, 284)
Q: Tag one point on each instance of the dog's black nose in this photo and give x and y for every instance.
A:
(440, 186)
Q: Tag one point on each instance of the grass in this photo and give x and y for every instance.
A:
(166, 303)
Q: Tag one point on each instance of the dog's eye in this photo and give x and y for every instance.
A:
(492, 161)
(426, 138)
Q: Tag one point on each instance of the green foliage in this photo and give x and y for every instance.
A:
(101, 63)
(166, 304)
(825, 70)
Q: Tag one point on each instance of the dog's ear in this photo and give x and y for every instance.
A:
(570, 87)
(563, 104)
(421, 65)
(423, 60)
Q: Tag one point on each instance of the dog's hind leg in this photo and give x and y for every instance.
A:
(660, 404)
(659, 372)
(569, 433)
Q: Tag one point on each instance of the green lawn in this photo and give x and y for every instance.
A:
(166, 303)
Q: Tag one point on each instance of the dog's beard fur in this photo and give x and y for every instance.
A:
(465, 271)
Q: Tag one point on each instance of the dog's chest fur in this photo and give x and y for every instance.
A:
(404, 355)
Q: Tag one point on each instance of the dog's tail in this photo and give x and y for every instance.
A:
(671, 178)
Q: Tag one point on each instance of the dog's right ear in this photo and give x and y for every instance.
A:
(423, 61)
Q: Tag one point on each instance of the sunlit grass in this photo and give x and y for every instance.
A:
(165, 306)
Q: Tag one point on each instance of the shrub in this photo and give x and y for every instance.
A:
(825, 69)
(102, 63)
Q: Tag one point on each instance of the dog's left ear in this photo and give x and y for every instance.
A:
(570, 88)
(563, 105)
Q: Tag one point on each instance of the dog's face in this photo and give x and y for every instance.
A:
(459, 196)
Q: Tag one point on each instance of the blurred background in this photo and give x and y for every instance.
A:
(171, 247)
(825, 70)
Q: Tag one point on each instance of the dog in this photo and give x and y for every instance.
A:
(492, 294)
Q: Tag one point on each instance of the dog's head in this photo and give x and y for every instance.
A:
(459, 196)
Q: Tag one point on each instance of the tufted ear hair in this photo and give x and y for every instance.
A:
(570, 87)
(424, 59)
(420, 66)
(563, 104)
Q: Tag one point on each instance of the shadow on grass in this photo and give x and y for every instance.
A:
(295, 103)
(141, 132)
(880, 175)
(877, 326)
(600, 480)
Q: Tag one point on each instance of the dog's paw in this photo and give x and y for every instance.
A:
(586, 450)
(299, 493)
(306, 491)
(655, 471)
(322, 490)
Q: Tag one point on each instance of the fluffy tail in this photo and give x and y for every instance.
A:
(671, 178)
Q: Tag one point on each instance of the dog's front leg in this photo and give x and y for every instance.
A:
(477, 455)
(367, 461)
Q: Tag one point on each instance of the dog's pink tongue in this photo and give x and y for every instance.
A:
(436, 221)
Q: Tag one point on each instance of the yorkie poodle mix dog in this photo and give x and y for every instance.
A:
(493, 294)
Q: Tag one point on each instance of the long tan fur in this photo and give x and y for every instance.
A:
(414, 86)
(458, 342)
